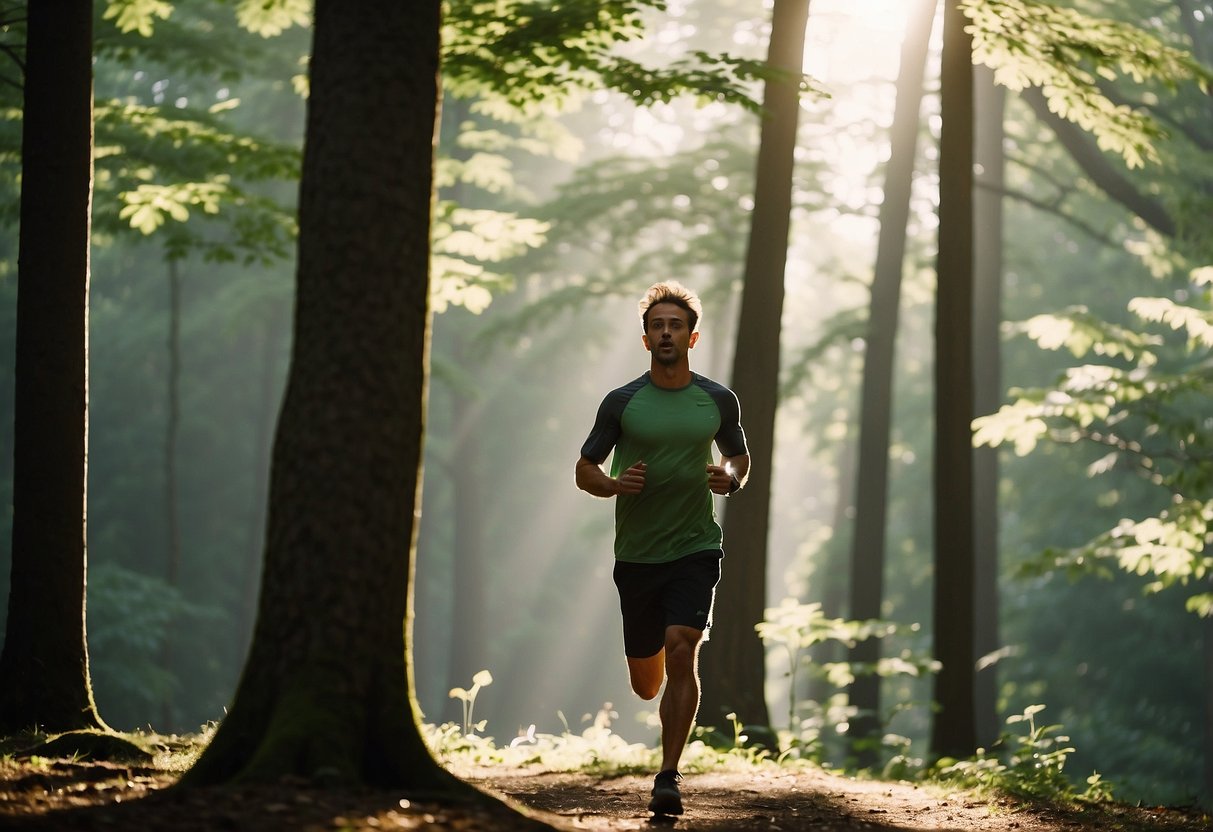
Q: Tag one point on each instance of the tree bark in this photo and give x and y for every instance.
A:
(953, 729)
(44, 676)
(989, 102)
(327, 691)
(876, 396)
(735, 676)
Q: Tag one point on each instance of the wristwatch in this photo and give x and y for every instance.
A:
(734, 485)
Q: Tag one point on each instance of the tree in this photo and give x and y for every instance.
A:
(953, 728)
(326, 690)
(736, 681)
(876, 397)
(44, 677)
(989, 103)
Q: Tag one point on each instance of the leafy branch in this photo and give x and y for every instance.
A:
(1066, 53)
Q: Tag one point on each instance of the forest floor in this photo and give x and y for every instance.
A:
(43, 794)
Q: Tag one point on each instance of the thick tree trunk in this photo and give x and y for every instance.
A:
(44, 678)
(326, 691)
(989, 101)
(876, 402)
(735, 662)
(953, 729)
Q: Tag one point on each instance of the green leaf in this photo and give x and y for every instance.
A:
(137, 15)
(270, 18)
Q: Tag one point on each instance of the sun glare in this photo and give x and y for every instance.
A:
(848, 40)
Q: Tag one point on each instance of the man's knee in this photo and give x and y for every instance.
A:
(646, 689)
(681, 647)
(646, 675)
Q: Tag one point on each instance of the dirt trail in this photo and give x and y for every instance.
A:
(64, 795)
(806, 800)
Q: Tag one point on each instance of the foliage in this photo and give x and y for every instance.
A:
(1146, 407)
(1068, 54)
(131, 617)
(1027, 765)
(1030, 766)
(797, 627)
(528, 54)
(153, 166)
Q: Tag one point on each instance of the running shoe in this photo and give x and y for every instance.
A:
(666, 798)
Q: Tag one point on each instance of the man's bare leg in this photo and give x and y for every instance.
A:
(680, 702)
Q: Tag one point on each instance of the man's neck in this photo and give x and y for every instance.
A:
(670, 377)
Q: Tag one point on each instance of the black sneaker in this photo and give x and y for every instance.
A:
(666, 798)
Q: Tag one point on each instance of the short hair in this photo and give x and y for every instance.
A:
(670, 291)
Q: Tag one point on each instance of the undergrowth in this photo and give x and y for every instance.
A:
(1027, 762)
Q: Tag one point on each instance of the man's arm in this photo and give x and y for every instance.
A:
(720, 477)
(593, 480)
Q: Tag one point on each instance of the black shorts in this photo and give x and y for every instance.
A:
(652, 596)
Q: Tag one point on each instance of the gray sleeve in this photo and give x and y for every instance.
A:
(606, 430)
(608, 427)
(730, 439)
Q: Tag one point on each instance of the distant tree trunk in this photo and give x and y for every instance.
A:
(831, 585)
(250, 582)
(989, 101)
(876, 403)
(953, 729)
(469, 635)
(734, 680)
(172, 512)
(470, 568)
(44, 677)
(1208, 686)
(327, 689)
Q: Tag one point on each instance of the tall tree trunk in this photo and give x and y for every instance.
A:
(250, 582)
(172, 512)
(831, 584)
(989, 102)
(44, 677)
(876, 403)
(953, 729)
(1207, 667)
(469, 634)
(327, 689)
(735, 677)
(1208, 714)
(469, 572)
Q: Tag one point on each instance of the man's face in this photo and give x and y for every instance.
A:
(669, 336)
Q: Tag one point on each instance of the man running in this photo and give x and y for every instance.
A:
(667, 541)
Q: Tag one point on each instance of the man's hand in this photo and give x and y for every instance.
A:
(729, 475)
(631, 481)
(720, 479)
(593, 480)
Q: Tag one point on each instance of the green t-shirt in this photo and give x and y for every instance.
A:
(672, 431)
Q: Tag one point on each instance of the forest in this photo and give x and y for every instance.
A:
(288, 368)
